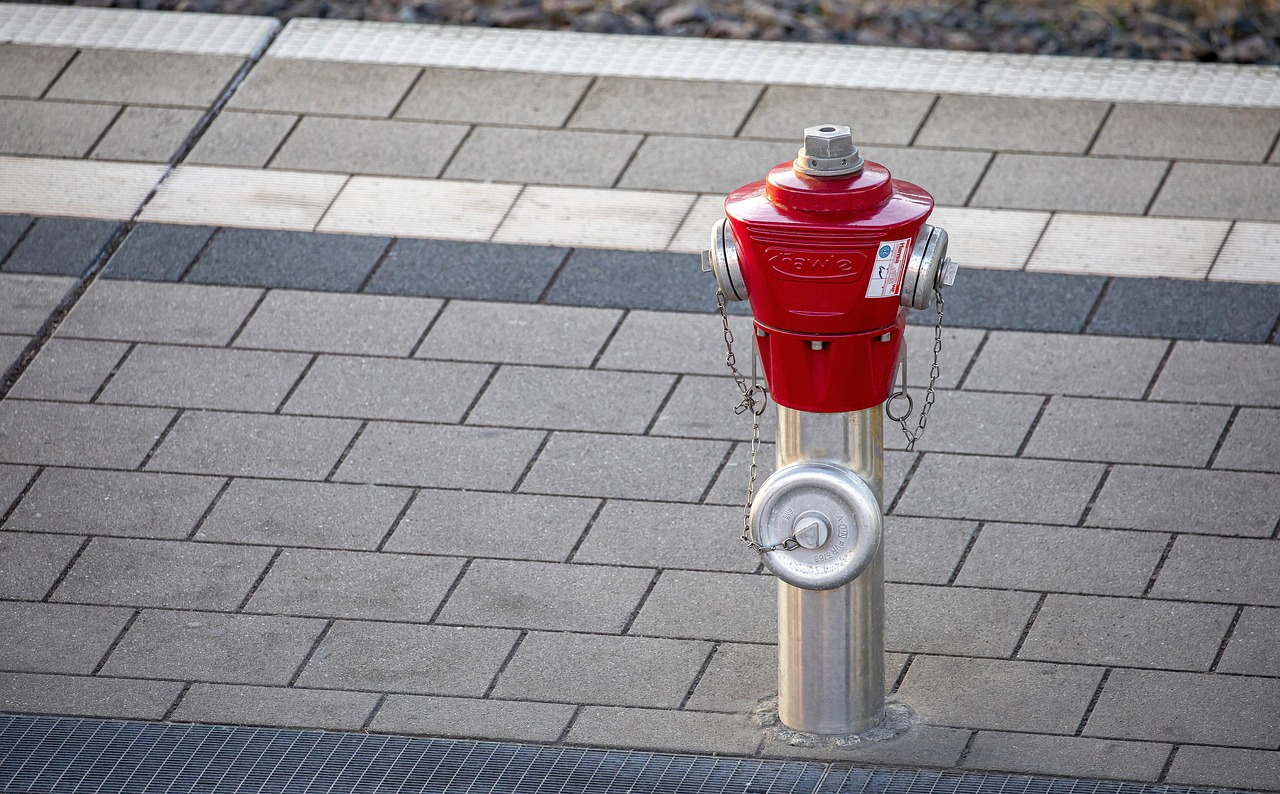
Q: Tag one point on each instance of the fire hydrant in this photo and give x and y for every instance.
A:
(830, 251)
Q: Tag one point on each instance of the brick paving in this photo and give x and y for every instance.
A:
(485, 487)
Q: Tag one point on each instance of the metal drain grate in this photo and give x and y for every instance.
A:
(63, 755)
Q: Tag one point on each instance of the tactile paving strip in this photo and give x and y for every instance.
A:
(847, 66)
(63, 755)
(118, 29)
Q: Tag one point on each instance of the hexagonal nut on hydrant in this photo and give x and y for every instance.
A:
(828, 151)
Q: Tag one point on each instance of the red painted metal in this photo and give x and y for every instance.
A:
(808, 249)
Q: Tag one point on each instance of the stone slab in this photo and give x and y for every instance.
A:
(242, 139)
(286, 259)
(1010, 124)
(354, 584)
(331, 88)
(30, 563)
(1234, 374)
(1016, 490)
(162, 313)
(1251, 650)
(699, 537)
(64, 434)
(1218, 190)
(213, 378)
(57, 638)
(541, 595)
(587, 669)
(1188, 500)
(1252, 443)
(1019, 301)
(626, 467)
(157, 252)
(1079, 184)
(87, 696)
(543, 157)
(214, 647)
(527, 99)
(148, 135)
(318, 322)
(365, 146)
(28, 71)
(230, 704)
(52, 129)
(1229, 766)
(12, 229)
(26, 301)
(61, 246)
(68, 369)
(1225, 570)
(254, 445)
(1179, 309)
(11, 348)
(676, 106)
(440, 456)
(1123, 431)
(733, 607)
(413, 659)
(972, 422)
(248, 198)
(13, 482)
(954, 620)
(664, 730)
(114, 503)
(659, 342)
(147, 78)
(701, 165)
(950, 176)
(324, 515)
(633, 280)
(433, 208)
(1087, 366)
(1188, 132)
(1062, 559)
(519, 334)
(924, 550)
(737, 678)
(383, 388)
(475, 271)
(702, 407)
(570, 399)
(492, 720)
(891, 117)
(1071, 756)
(477, 524)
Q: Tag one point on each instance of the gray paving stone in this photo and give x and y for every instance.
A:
(30, 564)
(1188, 707)
(87, 696)
(364, 146)
(214, 647)
(51, 129)
(26, 301)
(476, 271)
(12, 228)
(544, 157)
(961, 421)
(536, 100)
(1221, 373)
(1215, 190)
(1252, 647)
(1012, 124)
(61, 246)
(149, 135)
(13, 479)
(163, 573)
(679, 106)
(700, 165)
(165, 313)
(924, 550)
(923, 745)
(439, 456)
(571, 399)
(663, 730)
(1179, 309)
(382, 388)
(1225, 766)
(120, 503)
(1124, 431)
(147, 78)
(354, 584)
(1081, 184)
(519, 334)
(660, 342)
(477, 524)
(700, 537)
(241, 139)
(541, 595)
(634, 279)
(1127, 632)
(954, 620)
(196, 377)
(68, 369)
(949, 175)
(1188, 132)
(1228, 570)
(291, 260)
(492, 720)
(1018, 300)
(327, 515)
(585, 668)
(61, 434)
(28, 71)
(702, 407)
(229, 704)
(1062, 559)
(731, 484)
(997, 694)
(1088, 366)
(1253, 442)
(590, 464)
(1074, 756)
(400, 657)
(319, 322)
(11, 347)
(253, 445)
(999, 489)
(731, 606)
(57, 638)
(329, 87)
(1189, 500)
(875, 116)
(157, 252)
(737, 678)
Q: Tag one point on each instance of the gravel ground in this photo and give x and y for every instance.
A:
(1231, 31)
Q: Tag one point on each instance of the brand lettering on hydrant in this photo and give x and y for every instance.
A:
(813, 264)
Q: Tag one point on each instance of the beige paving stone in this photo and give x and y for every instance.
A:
(204, 195)
(594, 218)
(990, 239)
(1244, 256)
(150, 78)
(75, 188)
(149, 135)
(1119, 246)
(419, 208)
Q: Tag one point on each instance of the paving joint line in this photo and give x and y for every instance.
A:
(1026, 630)
(662, 406)
(177, 702)
(275, 152)
(1159, 370)
(631, 158)
(497, 227)
(479, 395)
(623, 316)
(1275, 332)
(502, 668)
(964, 555)
(1164, 556)
(902, 674)
(1168, 169)
(373, 712)
(684, 218)
(399, 519)
(964, 751)
(346, 451)
(453, 586)
(12, 507)
(413, 85)
(635, 613)
(1031, 429)
(120, 362)
(262, 575)
(17, 242)
(1226, 638)
(66, 569)
(906, 481)
(1168, 763)
(311, 652)
(426, 331)
(1093, 497)
(719, 471)
(1222, 437)
(697, 678)
(751, 111)
(973, 361)
(128, 624)
(973, 191)
(924, 119)
(586, 530)
(577, 105)
(453, 155)
(568, 726)
(194, 532)
(1213, 263)
(88, 155)
(200, 253)
(74, 55)
(377, 265)
(1093, 702)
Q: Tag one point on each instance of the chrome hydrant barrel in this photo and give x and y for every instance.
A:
(831, 642)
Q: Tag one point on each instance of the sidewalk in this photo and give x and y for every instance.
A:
(363, 378)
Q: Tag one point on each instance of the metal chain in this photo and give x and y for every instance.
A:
(755, 398)
(913, 437)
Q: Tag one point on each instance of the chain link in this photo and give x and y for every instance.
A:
(929, 396)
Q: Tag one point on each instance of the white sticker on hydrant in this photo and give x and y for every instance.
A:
(890, 264)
